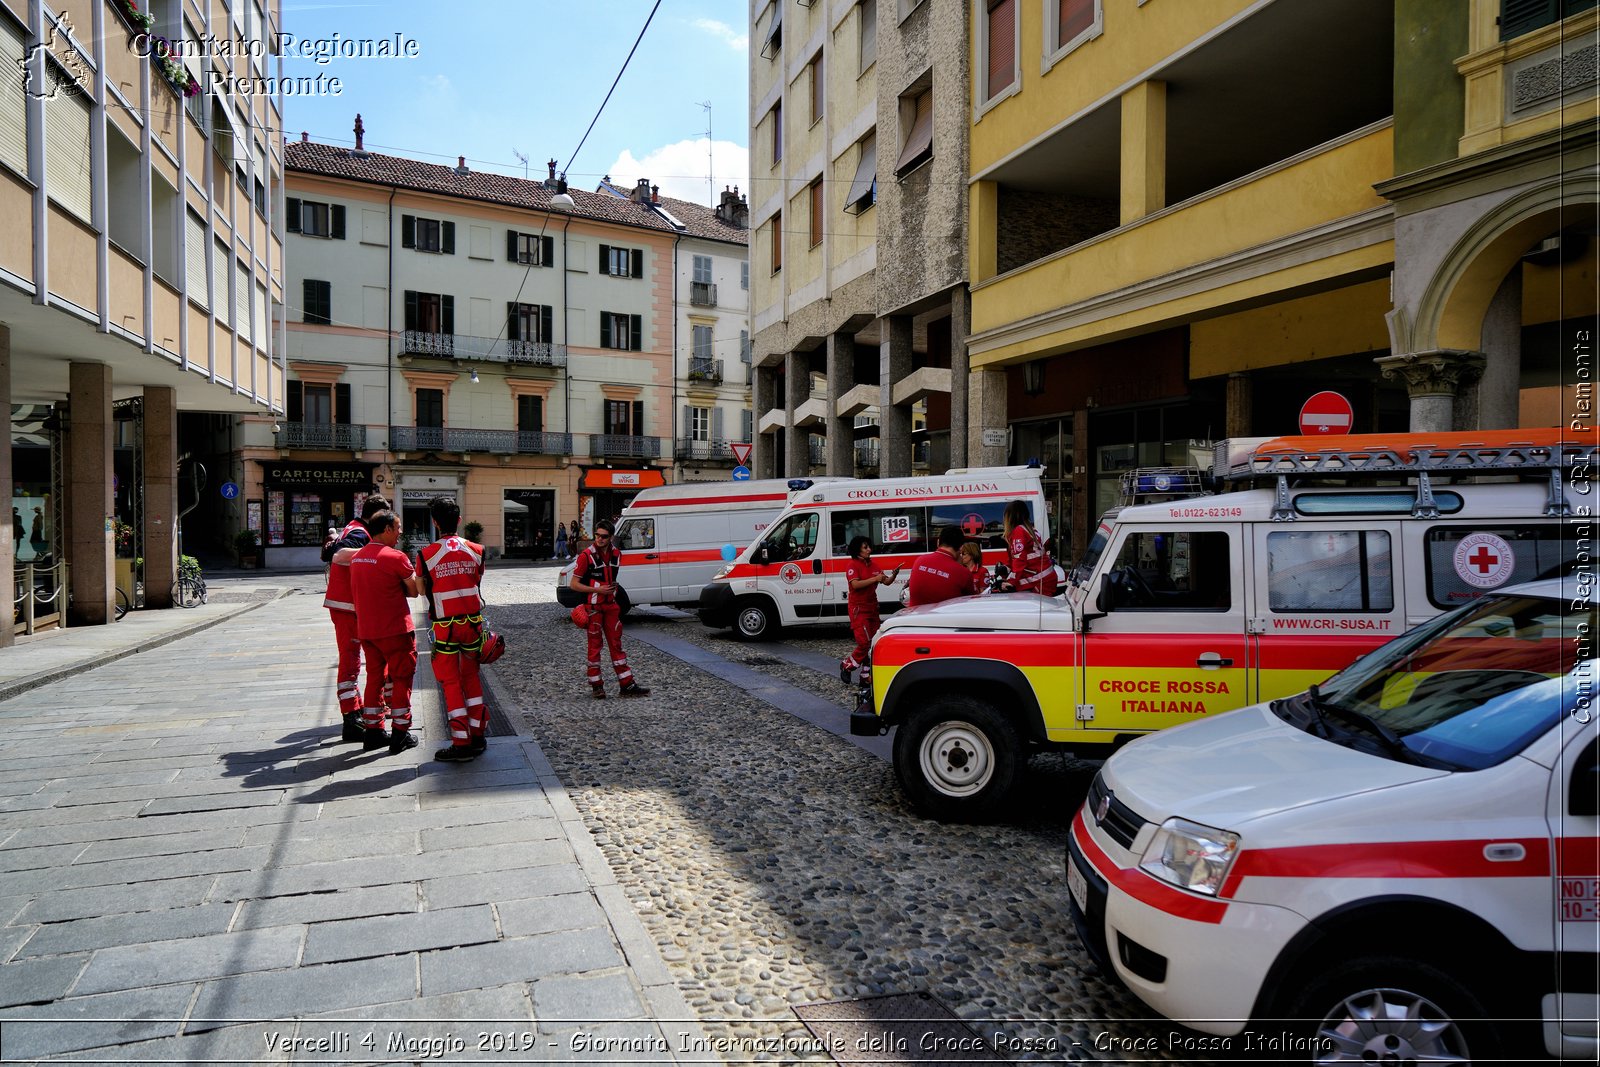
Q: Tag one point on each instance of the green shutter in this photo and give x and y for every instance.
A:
(408, 231)
(291, 212)
(447, 238)
(605, 329)
(636, 332)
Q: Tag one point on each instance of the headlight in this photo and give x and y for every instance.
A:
(723, 573)
(1191, 856)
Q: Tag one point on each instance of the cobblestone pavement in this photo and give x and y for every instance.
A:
(776, 864)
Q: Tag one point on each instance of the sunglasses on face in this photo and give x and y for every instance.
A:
(602, 537)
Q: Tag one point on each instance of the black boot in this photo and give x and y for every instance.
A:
(455, 754)
(634, 689)
(401, 740)
(373, 737)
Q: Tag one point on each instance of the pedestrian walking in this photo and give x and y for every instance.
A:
(595, 573)
(340, 602)
(863, 577)
(561, 541)
(451, 572)
(939, 575)
(1032, 570)
(381, 577)
(972, 558)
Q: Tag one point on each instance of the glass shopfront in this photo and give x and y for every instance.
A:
(530, 519)
(1050, 442)
(303, 500)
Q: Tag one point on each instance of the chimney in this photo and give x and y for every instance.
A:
(461, 166)
(655, 194)
(641, 192)
(733, 210)
(305, 138)
(360, 130)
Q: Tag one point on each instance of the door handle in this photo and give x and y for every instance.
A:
(816, 566)
(649, 555)
(1210, 660)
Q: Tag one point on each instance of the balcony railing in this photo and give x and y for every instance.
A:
(493, 349)
(499, 442)
(703, 294)
(705, 370)
(714, 450)
(331, 435)
(867, 454)
(625, 446)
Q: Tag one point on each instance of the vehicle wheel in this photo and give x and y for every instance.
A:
(186, 594)
(122, 603)
(957, 759)
(754, 619)
(1387, 1009)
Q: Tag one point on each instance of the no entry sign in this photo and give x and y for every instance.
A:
(1326, 412)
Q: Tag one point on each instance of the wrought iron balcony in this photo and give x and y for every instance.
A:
(715, 450)
(705, 370)
(624, 446)
(818, 449)
(491, 349)
(499, 442)
(867, 454)
(703, 294)
(330, 435)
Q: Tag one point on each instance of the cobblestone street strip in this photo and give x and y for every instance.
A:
(775, 864)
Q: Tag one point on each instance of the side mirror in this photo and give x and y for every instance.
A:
(759, 556)
(1105, 598)
(1583, 792)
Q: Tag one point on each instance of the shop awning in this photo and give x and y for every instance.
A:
(616, 479)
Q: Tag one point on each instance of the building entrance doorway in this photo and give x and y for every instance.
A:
(530, 517)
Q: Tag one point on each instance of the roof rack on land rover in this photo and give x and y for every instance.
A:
(1411, 454)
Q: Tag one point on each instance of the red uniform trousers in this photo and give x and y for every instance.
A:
(455, 665)
(391, 665)
(349, 645)
(605, 618)
(864, 622)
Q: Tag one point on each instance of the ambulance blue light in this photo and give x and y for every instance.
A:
(797, 484)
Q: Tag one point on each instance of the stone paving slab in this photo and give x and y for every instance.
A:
(563, 952)
(192, 959)
(92, 1022)
(383, 935)
(85, 934)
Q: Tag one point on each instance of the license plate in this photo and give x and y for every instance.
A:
(1078, 887)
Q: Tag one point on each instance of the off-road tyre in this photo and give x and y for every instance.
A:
(958, 759)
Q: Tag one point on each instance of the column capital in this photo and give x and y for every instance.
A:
(1441, 372)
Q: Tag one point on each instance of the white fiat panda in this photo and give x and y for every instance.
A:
(1402, 863)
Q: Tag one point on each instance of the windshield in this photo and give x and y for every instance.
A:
(1091, 555)
(1475, 687)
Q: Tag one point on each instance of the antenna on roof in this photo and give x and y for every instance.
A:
(524, 159)
(711, 185)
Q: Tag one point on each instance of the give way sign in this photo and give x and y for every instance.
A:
(741, 452)
(1326, 412)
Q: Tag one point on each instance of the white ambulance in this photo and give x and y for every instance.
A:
(674, 538)
(1187, 606)
(794, 574)
(1401, 865)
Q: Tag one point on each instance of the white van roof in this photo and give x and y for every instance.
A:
(771, 492)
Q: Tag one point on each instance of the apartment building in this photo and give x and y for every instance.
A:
(711, 328)
(858, 251)
(138, 264)
(512, 343)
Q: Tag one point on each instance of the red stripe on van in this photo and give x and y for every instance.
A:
(1143, 887)
(1053, 650)
(1392, 859)
(1578, 857)
(700, 555)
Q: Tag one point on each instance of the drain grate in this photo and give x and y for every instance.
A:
(899, 1028)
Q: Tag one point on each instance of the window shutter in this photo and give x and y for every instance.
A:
(744, 346)
(511, 246)
(605, 258)
(636, 333)
(194, 258)
(294, 402)
(66, 123)
(1002, 45)
(447, 238)
(638, 418)
(308, 301)
(638, 262)
(341, 402)
(538, 414)
(605, 329)
(716, 424)
(687, 433)
(745, 419)
(1518, 17)
(548, 259)
(511, 322)
(408, 231)
(411, 309)
(291, 211)
(13, 102)
(336, 222)
(546, 333)
(447, 314)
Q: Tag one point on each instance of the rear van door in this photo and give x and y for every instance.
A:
(1323, 595)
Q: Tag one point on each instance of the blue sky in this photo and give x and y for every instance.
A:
(494, 77)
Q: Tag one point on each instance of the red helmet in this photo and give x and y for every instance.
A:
(493, 647)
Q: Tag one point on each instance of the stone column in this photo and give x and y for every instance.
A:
(1433, 379)
(160, 495)
(90, 552)
(8, 547)
(986, 410)
(841, 429)
(763, 398)
(1239, 404)
(797, 389)
(1499, 390)
(894, 421)
(960, 367)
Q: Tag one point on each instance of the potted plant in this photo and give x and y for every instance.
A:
(473, 531)
(245, 543)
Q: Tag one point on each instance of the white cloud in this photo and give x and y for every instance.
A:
(438, 83)
(735, 40)
(680, 169)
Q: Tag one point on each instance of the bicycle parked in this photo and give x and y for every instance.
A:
(191, 588)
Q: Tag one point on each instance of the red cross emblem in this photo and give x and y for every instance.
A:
(1483, 560)
(972, 525)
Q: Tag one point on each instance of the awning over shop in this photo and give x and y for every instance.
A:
(614, 479)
